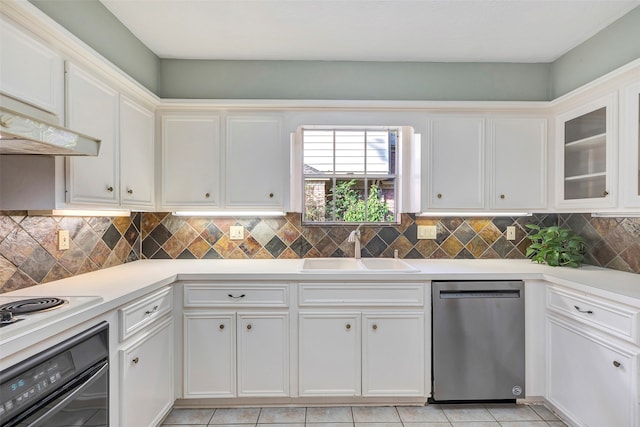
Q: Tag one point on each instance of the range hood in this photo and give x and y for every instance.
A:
(27, 130)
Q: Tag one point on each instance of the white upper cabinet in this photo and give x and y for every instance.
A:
(136, 154)
(630, 147)
(29, 71)
(92, 109)
(518, 160)
(255, 163)
(190, 161)
(455, 164)
(587, 156)
(462, 172)
(246, 173)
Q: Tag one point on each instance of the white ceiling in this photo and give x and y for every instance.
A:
(367, 30)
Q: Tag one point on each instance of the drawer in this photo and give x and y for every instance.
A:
(144, 311)
(236, 295)
(366, 294)
(609, 316)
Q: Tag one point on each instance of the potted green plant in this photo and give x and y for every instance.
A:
(555, 246)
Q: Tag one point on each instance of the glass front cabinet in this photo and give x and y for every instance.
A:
(587, 158)
(630, 147)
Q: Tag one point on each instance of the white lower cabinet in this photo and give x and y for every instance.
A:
(329, 346)
(393, 354)
(146, 376)
(590, 380)
(236, 354)
(361, 354)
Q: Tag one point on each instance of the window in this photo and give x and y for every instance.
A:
(350, 175)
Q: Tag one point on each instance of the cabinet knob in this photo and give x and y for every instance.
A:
(616, 363)
(110, 189)
(249, 327)
(582, 311)
(374, 327)
(605, 193)
(348, 326)
(136, 360)
(130, 191)
(207, 195)
(271, 195)
(439, 196)
(221, 326)
(502, 196)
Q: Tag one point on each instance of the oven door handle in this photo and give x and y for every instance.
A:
(72, 394)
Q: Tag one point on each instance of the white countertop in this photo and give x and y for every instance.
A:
(121, 284)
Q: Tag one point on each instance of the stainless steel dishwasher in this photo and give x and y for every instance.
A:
(478, 340)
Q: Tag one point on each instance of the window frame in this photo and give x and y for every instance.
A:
(367, 178)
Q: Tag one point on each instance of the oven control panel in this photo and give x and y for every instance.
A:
(35, 384)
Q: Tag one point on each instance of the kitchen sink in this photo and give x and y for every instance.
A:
(387, 264)
(331, 264)
(352, 265)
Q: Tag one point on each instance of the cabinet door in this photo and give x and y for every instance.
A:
(136, 154)
(630, 149)
(92, 109)
(589, 380)
(146, 377)
(518, 163)
(29, 71)
(190, 161)
(209, 355)
(256, 164)
(263, 354)
(393, 362)
(455, 163)
(587, 155)
(329, 354)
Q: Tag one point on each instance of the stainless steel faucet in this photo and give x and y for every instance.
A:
(354, 236)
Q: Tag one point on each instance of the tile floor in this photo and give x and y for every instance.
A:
(476, 415)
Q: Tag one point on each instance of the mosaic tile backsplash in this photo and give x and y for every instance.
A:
(29, 252)
(29, 255)
(167, 236)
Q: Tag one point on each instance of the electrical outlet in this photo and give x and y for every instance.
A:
(511, 232)
(427, 232)
(236, 232)
(63, 240)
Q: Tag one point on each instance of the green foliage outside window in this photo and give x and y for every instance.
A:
(349, 206)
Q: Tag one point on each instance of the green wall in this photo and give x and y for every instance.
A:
(611, 48)
(92, 23)
(352, 80)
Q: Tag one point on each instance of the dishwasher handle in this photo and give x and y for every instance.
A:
(469, 294)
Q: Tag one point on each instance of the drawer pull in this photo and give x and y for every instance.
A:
(136, 360)
(582, 311)
(234, 297)
(616, 363)
(153, 310)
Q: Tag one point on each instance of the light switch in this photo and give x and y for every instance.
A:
(511, 232)
(427, 232)
(63, 240)
(236, 232)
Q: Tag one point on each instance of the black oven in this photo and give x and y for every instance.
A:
(65, 385)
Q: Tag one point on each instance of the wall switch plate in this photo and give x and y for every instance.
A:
(427, 232)
(236, 232)
(63, 240)
(511, 232)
